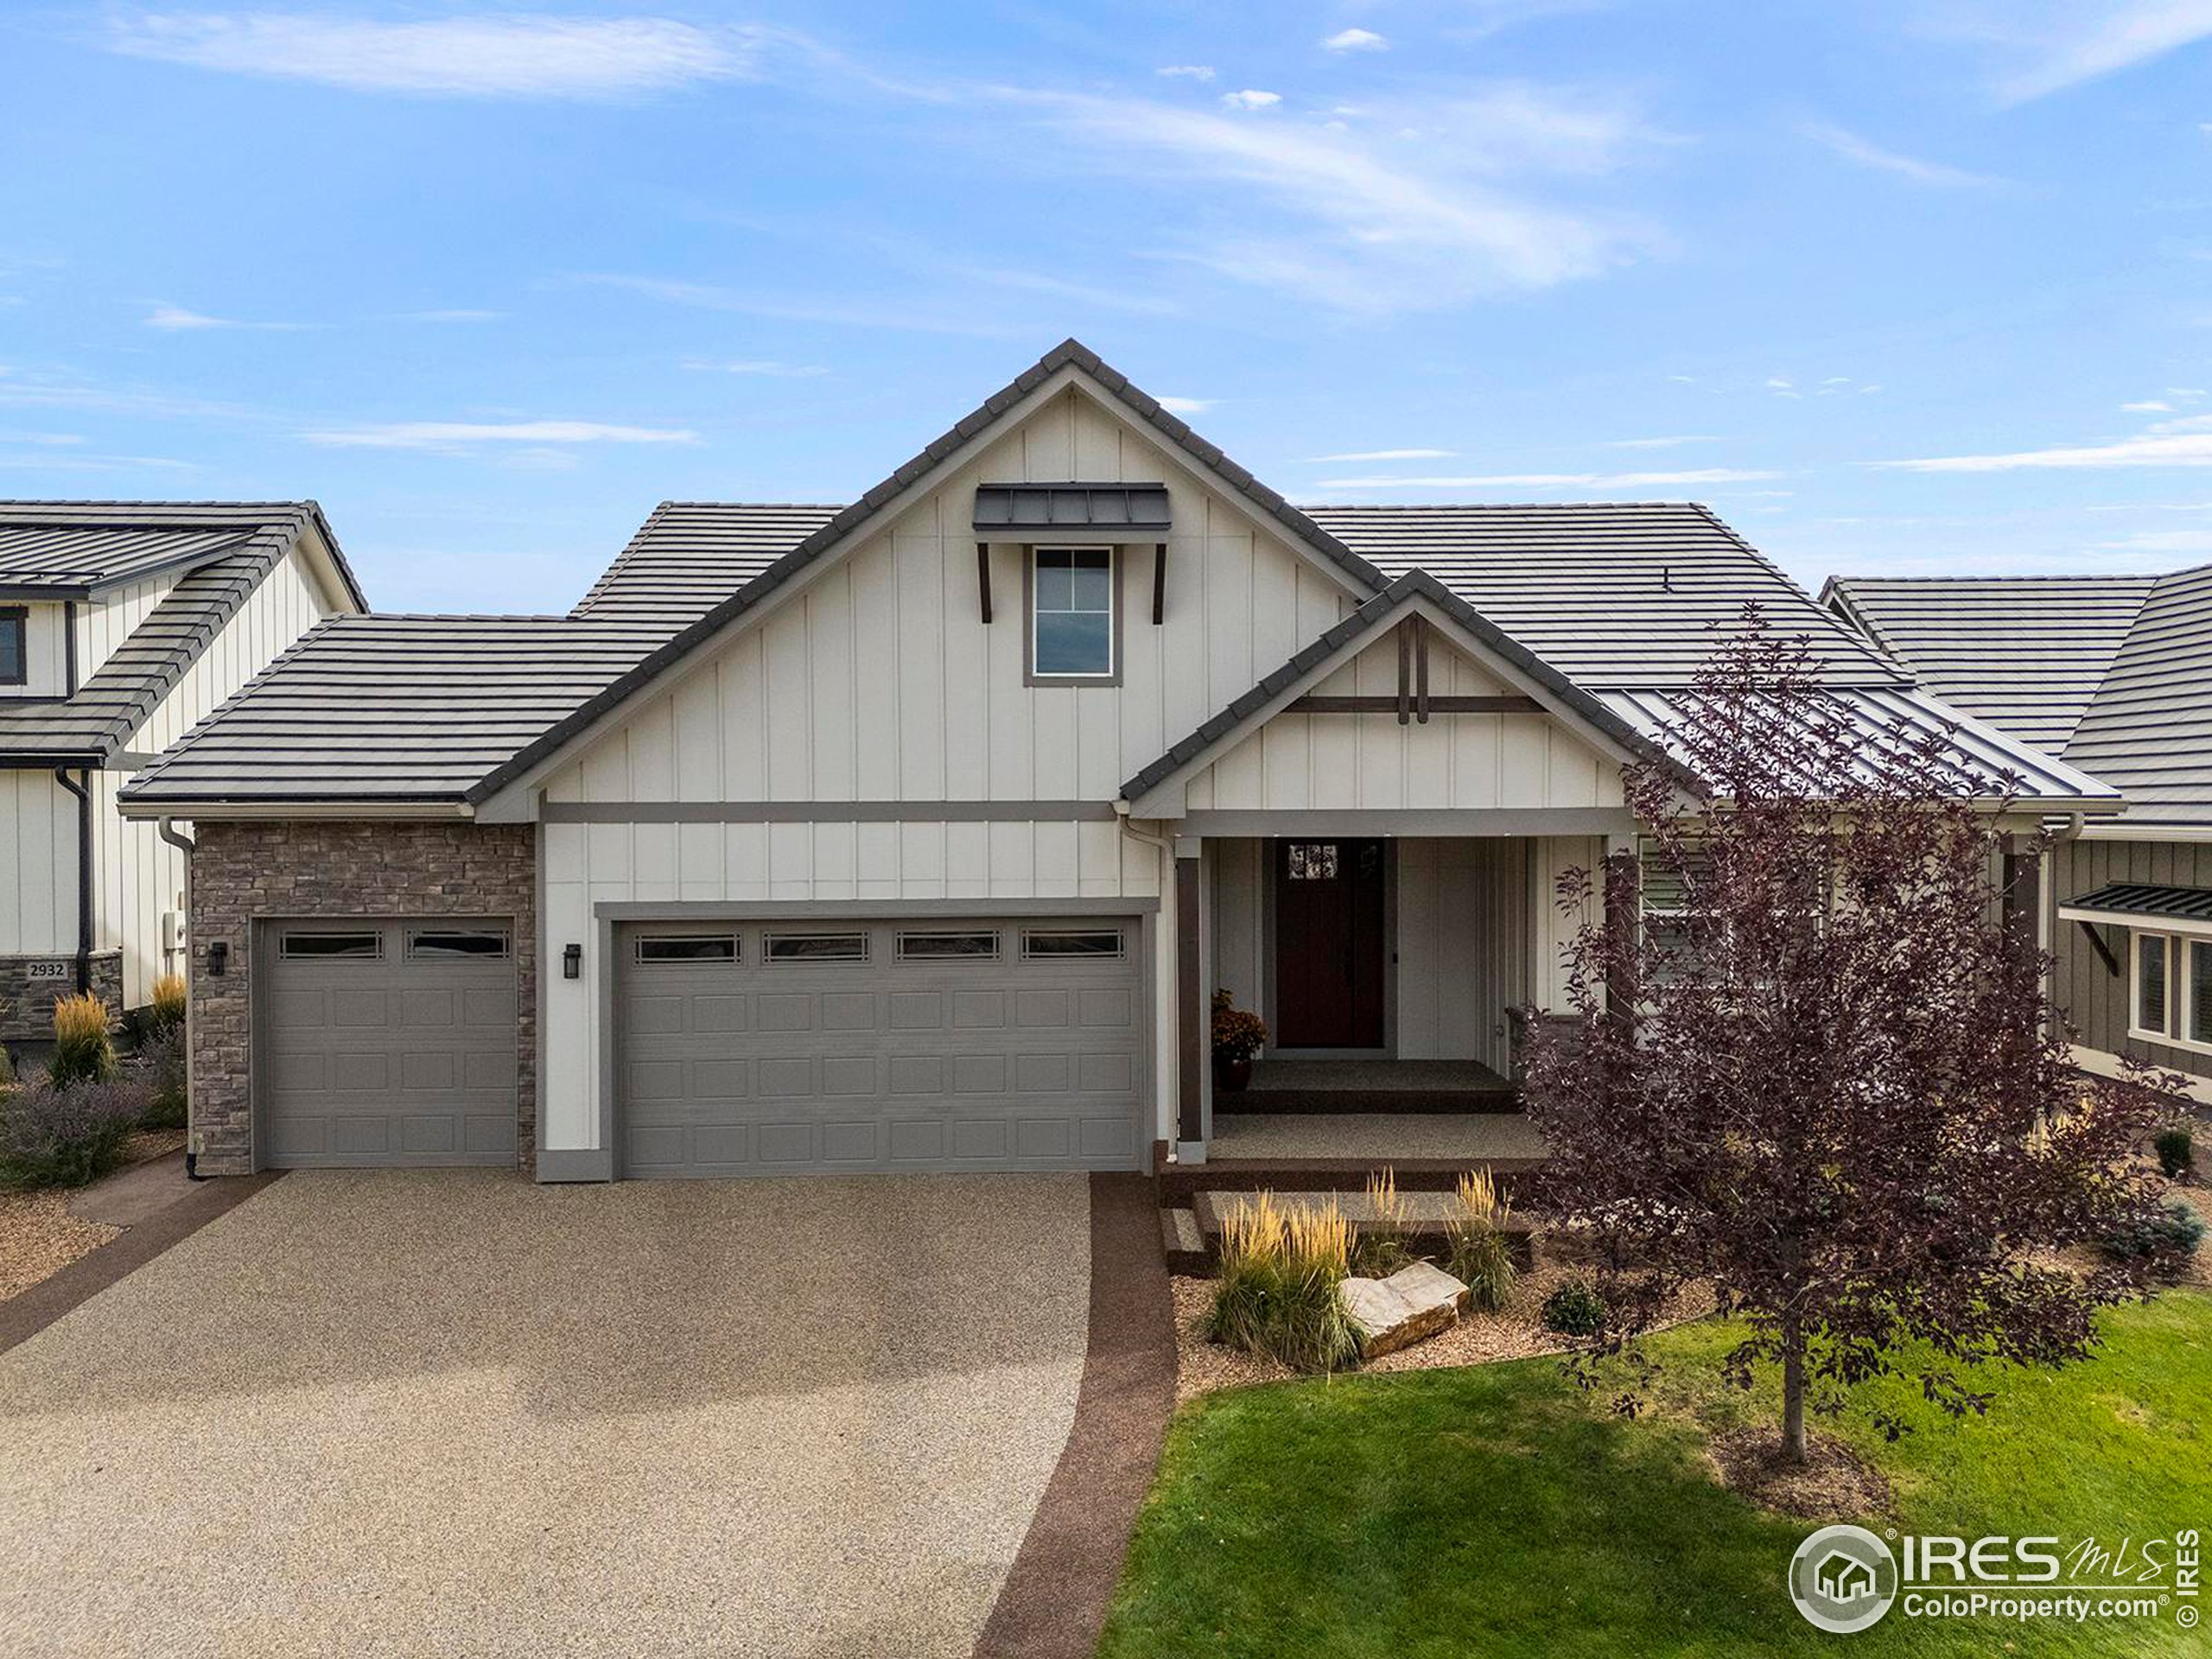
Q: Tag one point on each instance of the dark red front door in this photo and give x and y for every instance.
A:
(1330, 948)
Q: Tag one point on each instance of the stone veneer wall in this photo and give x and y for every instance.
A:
(27, 1005)
(243, 872)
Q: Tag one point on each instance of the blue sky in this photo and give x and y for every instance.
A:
(1911, 285)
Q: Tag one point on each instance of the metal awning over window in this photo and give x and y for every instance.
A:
(2141, 904)
(1108, 511)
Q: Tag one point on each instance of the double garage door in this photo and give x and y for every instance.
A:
(387, 1043)
(990, 1044)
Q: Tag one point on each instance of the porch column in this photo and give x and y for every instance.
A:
(1191, 1004)
(1624, 882)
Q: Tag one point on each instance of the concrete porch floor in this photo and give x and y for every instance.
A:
(1375, 1138)
(1375, 1076)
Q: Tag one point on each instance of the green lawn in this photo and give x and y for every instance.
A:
(1497, 1511)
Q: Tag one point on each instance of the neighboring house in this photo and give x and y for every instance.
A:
(122, 623)
(2113, 674)
(916, 834)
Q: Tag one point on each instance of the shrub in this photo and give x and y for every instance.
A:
(2175, 1232)
(1278, 1295)
(1239, 1034)
(66, 1136)
(83, 1050)
(166, 1013)
(160, 1065)
(2176, 1151)
(1381, 1245)
(1576, 1309)
(7, 1067)
(1480, 1259)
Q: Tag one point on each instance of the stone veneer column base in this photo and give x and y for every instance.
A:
(27, 1004)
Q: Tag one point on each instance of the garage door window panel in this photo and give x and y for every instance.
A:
(302, 946)
(459, 944)
(691, 949)
(948, 946)
(1085, 944)
(818, 947)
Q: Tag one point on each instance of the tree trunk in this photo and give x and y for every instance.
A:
(1793, 1391)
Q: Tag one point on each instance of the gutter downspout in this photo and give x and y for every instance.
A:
(1164, 851)
(83, 791)
(166, 828)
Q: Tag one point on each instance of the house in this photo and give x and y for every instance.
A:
(2114, 673)
(918, 832)
(122, 624)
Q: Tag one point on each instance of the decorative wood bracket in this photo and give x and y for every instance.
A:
(983, 578)
(1159, 582)
(2104, 951)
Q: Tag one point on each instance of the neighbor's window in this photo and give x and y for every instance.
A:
(817, 947)
(2198, 1027)
(318, 946)
(2153, 971)
(1041, 944)
(1071, 612)
(14, 648)
(688, 947)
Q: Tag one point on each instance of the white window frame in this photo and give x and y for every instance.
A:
(2137, 938)
(2185, 947)
(1036, 675)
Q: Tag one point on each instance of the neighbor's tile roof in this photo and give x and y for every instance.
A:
(247, 542)
(392, 709)
(691, 556)
(72, 550)
(2115, 672)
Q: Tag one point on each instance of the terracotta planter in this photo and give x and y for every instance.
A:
(1232, 1077)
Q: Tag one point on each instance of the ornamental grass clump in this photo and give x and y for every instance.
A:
(166, 1011)
(1280, 1276)
(1383, 1246)
(1480, 1259)
(84, 1051)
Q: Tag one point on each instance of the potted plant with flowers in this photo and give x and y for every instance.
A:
(1238, 1036)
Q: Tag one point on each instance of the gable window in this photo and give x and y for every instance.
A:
(1072, 632)
(2149, 1005)
(14, 646)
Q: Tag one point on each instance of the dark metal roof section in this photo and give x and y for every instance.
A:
(1376, 612)
(2149, 729)
(74, 549)
(2144, 899)
(1068, 352)
(1133, 509)
(391, 709)
(90, 729)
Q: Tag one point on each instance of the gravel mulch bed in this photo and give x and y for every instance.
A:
(1515, 1332)
(39, 1237)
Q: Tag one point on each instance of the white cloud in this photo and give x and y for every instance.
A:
(765, 367)
(1186, 405)
(459, 435)
(1251, 99)
(2164, 541)
(494, 56)
(1556, 481)
(2174, 443)
(176, 319)
(2047, 46)
(1186, 71)
(1355, 40)
(1385, 455)
(2149, 406)
(1851, 147)
(1406, 207)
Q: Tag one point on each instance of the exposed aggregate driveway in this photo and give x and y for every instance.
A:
(452, 1412)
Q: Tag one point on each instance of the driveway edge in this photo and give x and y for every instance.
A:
(23, 1316)
(1054, 1602)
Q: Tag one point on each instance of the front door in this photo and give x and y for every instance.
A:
(1331, 951)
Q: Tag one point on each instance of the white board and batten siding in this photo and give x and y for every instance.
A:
(38, 875)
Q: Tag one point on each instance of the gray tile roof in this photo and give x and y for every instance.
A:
(115, 699)
(2026, 653)
(1610, 594)
(691, 556)
(2115, 672)
(72, 550)
(2149, 729)
(393, 710)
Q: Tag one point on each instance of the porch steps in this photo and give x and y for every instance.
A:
(1181, 1184)
(1188, 1249)
(1500, 1097)
(1193, 1235)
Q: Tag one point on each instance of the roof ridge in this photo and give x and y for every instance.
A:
(1497, 506)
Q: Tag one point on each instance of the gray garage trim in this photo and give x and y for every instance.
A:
(612, 921)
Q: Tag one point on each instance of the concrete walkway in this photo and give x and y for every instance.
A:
(452, 1412)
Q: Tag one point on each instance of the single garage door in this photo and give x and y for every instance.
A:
(983, 1044)
(387, 1043)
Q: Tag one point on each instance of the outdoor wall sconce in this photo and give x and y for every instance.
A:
(572, 962)
(218, 958)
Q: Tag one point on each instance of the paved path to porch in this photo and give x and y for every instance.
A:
(1376, 1137)
(370, 1413)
